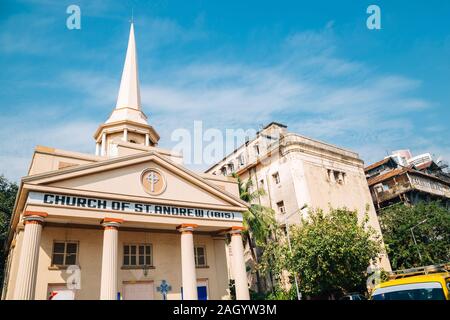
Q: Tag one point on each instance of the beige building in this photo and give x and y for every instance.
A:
(298, 173)
(129, 222)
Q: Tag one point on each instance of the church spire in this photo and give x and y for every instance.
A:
(127, 123)
(129, 92)
(128, 106)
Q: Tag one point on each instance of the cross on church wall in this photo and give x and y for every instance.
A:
(152, 178)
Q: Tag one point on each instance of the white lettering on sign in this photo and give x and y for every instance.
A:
(61, 200)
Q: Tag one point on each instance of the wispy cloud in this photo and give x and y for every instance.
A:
(20, 134)
(303, 82)
(23, 34)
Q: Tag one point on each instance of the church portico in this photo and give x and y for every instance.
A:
(130, 222)
(107, 263)
(102, 228)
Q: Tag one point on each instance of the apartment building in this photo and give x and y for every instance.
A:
(299, 173)
(404, 178)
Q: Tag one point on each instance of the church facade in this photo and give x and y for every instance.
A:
(129, 222)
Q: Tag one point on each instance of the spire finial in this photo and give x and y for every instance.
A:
(132, 14)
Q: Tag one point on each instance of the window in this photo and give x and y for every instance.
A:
(280, 206)
(336, 176)
(330, 175)
(276, 177)
(231, 167)
(378, 188)
(241, 160)
(223, 170)
(415, 291)
(257, 149)
(342, 178)
(137, 255)
(200, 256)
(65, 253)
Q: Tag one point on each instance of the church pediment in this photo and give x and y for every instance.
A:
(149, 176)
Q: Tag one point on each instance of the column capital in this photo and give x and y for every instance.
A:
(236, 230)
(34, 217)
(187, 227)
(36, 213)
(111, 223)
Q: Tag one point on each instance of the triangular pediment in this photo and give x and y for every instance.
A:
(123, 176)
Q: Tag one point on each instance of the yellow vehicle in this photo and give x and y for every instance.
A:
(425, 283)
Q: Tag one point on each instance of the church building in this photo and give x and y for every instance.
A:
(130, 222)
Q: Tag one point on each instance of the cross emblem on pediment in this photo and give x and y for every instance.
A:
(152, 178)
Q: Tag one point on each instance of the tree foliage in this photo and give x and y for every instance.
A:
(330, 253)
(275, 260)
(430, 223)
(8, 191)
(259, 222)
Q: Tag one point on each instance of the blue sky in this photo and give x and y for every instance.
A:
(312, 65)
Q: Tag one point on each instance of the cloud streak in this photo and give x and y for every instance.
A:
(303, 82)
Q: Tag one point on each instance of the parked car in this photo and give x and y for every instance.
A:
(425, 283)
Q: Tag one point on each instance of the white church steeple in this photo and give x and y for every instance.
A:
(128, 106)
(129, 93)
(127, 123)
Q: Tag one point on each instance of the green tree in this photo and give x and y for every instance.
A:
(430, 224)
(330, 253)
(275, 260)
(8, 191)
(259, 222)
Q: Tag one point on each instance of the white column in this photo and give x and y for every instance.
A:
(108, 286)
(222, 275)
(188, 275)
(29, 256)
(125, 135)
(97, 149)
(103, 150)
(147, 140)
(238, 263)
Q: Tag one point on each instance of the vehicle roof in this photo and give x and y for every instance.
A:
(434, 277)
